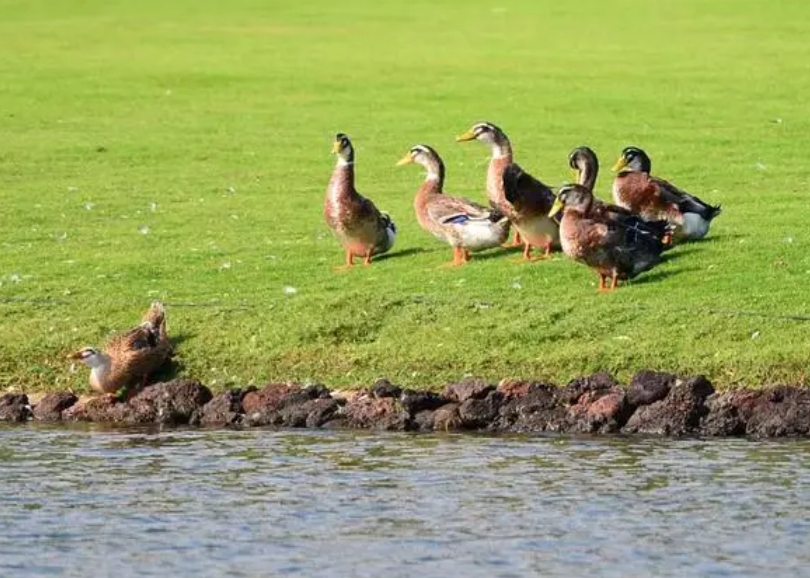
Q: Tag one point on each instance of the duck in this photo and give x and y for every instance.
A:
(635, 189)
(128, 359)
(585, 164)
(517, 194)
(613, 246)
(362, 229)
(465, 225)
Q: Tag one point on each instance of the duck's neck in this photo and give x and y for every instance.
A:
(497, 165)
(342, 182)
(434, 181)
(587, 176)
(100, 367)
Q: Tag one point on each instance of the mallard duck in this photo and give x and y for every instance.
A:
(616, 247)
(360, 227)
(634, 188)
(522, 198)
(585, 164)
(465, 225)
(128, 359)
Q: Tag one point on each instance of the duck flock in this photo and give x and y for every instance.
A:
(618, 241)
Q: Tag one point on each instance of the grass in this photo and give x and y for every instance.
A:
(180, 150)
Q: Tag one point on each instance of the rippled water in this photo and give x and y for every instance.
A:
(94, 502)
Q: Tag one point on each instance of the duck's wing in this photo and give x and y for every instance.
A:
(686, 202)
(526, 193)
(445, 209)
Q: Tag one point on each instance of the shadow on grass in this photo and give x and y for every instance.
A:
(657, 276)
(403, 253)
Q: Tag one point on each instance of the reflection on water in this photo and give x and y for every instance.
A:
(95, 502)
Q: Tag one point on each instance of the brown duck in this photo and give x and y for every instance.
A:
(585, 164)
(128, 359)
(617, 247)
(523, 199)
(465, 225)
(360, 227)
(635, 189)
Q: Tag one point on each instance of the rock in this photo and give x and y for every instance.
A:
(778, 412)
(600, 411)
(446, 418)
(467, 389)
(104, 408)
(310, 413)
(423, 420)
(647, 387)
(267, 398)
(51, 406)
(531, 407)
(321, 411)
(480, 414)
(384, 388)
(366, 412)
(570, 394)
(14, 407)
(176, 402)
(224, 410)
(723, 418)
(678, 414)
(417, 401)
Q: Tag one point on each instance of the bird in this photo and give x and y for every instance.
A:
(128, 359)
(635, 189)
(614, 246)
(521, 197)
(362, 229)
(465, 225)
(584, 162)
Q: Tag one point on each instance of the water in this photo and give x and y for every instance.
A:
(94, 502)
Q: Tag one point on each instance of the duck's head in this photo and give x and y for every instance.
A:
(90, 356)
(635, 159)
(342, 147)
(574, 197)
(484, 132)
(583, 161)
(426, 156)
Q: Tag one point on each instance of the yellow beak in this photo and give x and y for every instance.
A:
(556, 207)
(469, 135)
(406, 160)
(336, 147)
(620, 164)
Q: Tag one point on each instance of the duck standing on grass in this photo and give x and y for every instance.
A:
(128, 359)
(465, 225)
(585, 164)
(635, 189)
(618, 247)
(360, 227)
(522, 198)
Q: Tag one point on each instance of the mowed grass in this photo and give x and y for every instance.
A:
(180, 151)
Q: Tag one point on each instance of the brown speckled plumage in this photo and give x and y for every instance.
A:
(134, 355)
(465, 225)
(516, 193)
(360, 227)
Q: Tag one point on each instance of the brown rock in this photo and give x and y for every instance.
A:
(467, 389)
(572, 391)
(532, 407)
(224, 409)
(481, 414)
(678, 414)
(368, 412)
(647, 387)
(446, 418)
(14, 407)
(384, 388)
(51, 406)
(267, 398)
(175, 402)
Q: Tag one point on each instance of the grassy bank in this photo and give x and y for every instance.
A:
(180, 150)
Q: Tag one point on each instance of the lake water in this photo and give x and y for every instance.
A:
(84, 501)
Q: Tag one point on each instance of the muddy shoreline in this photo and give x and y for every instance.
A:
(653, 403)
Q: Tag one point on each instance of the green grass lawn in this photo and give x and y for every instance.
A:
(181, 150)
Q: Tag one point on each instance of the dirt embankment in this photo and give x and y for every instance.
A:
(653, 403)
